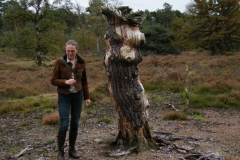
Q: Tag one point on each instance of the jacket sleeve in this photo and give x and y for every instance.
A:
(85, 85)
(56, 79)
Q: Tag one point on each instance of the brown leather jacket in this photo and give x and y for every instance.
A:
(61, 73)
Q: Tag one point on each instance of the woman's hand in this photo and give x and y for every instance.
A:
(70, 82)
(88, 101)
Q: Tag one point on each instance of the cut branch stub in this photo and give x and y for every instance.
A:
(123, 41)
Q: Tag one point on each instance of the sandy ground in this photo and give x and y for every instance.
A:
(24, 137)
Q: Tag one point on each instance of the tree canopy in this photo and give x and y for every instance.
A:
(38, 27)
(212, 25)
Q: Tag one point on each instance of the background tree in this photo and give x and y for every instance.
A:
(167, 15)
(68, 13)
(83, 33)
(114, 3)
(158, 40)
(1, 14)
(80, 26)
(212, 25)
(96, 22)
(35, 28)
(158, 32)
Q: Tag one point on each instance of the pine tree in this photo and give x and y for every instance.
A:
(212, 25)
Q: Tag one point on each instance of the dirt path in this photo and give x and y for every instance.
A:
(218, 131)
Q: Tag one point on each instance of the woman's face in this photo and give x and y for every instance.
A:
(71, 52)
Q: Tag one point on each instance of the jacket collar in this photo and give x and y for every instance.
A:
(79, 59)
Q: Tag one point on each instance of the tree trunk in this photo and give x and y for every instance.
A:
(39, 59)
(84, 43)
(99, 44)
(98, 48)
(123, 41)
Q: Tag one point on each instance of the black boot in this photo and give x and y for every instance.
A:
(72, 139)
(61, 140)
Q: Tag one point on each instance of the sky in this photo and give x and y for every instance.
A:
(151, 5)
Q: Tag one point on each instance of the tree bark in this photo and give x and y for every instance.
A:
(123, 41)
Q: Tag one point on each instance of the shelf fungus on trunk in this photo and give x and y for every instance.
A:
(123, 42)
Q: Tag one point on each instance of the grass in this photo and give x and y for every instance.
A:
(50, 141)
(198, 117)
(28, 103)
(91, 111)
(83, 118)
(213, 81)
(105, 120)
(13, 149)
(24, 124)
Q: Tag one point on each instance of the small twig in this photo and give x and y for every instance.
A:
(162, 132)
(173, 107)
(122, 153)
(207, 156)
(186, 87)
(21, 153)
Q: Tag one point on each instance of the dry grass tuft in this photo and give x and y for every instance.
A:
(174, 115)
(51, 119)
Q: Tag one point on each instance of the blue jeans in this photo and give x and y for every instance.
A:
(71, 103)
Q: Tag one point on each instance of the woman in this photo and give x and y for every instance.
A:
(69, 75)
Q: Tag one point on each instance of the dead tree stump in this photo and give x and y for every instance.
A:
(123, 41)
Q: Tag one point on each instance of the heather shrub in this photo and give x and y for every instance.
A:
(4, 109)
(99, 93)
(220, 87)
(213, 81)
(163, 86)
(200, 101)
(226, 101)
(203, 89)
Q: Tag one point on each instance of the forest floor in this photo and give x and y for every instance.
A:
(24, 137)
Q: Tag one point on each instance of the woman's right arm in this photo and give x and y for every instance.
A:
(56, 79)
